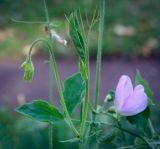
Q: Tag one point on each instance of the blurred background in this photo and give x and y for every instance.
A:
(131, 42)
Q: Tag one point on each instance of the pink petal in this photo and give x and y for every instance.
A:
(135, 103)
(123, 91)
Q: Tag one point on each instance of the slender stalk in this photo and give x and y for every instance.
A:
(61, 95)
(57, 78)
(87, 92)
(51, 100)
(99, 54)
(153, 132)
(85, 110)
(51, 72)
(50, 77)
(98, 70)
(49, 45)
(28, 22)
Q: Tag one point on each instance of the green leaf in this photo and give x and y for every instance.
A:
(107, 119)
(140, 120)
(110, 136)
(74, 87)
(76, 35)
(148, 91)
(40, 110)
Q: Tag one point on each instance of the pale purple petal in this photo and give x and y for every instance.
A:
(123, 91)
(135, 103)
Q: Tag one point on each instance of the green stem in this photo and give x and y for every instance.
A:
(85, 110)
(50, 75)
(28, 22)
(68, 118)
(153, 132)
(50, 136)
(86, 100)
(61, 96)
(51, 72)
(99, 54)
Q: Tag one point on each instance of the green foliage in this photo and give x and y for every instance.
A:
(140, 80)
(106, 119)
(141, 119)
(76, 35)
(40, 110)
(73, 89)
(110, 136)
(17, 132)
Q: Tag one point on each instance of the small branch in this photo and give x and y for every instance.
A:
(28, 22)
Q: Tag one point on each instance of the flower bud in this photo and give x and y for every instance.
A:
(110, 96)
(58, 38)
(28, 69)
(111, 109)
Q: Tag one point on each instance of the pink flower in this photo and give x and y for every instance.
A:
(129, 101)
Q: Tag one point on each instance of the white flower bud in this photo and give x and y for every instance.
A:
(58, 38)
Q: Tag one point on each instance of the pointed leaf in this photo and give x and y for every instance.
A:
(40, 110)
(140, 80)
(73, 89)
(76, 35)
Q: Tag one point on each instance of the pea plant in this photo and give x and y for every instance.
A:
(123, 119)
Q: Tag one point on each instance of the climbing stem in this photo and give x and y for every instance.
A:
(62, 100)
(99, 54)
(50, 74)
(87, 92)
(85, 110)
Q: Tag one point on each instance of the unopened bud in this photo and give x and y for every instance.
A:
(111, 109)
(110, 96)
(28, 69)
(58, 38)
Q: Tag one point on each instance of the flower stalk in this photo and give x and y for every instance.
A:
(48, 43)
(50, 76)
